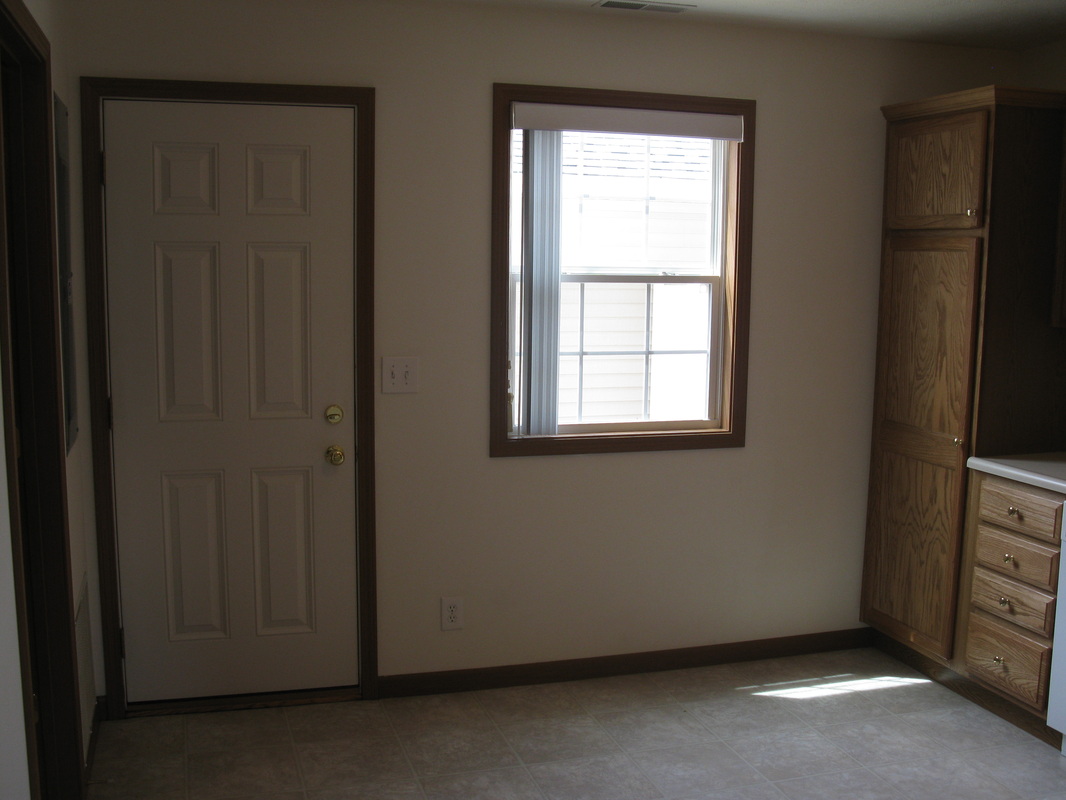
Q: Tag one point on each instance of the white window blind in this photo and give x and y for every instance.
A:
(601, 119)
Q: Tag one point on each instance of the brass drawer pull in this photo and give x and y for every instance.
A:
(1012, 511)
(999, 660)
(1004, 602)
(1008, 558)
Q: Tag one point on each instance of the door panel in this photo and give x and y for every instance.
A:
(936, 172)
(921, 425)
(230, 294)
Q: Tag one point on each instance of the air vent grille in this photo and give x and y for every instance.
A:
(633, 5)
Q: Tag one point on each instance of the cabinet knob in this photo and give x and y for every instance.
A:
(957, 441)
(1008, 558)
(999, 660)
(1012, 511)
(971, 212)
(1004, 602)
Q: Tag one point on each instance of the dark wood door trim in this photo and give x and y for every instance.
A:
(93, 92)
(33, 411)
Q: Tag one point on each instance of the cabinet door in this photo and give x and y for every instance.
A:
(922, 418)
(935, 176)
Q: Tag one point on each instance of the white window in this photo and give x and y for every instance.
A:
(623, 274)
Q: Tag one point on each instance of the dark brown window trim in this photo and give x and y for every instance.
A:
(500, 442)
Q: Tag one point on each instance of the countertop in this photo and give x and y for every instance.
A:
(1046, 470)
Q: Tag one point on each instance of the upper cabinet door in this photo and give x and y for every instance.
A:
(936, 172)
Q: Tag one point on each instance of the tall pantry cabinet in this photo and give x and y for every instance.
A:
(968, 361)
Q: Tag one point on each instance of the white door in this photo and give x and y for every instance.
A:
(230, 301)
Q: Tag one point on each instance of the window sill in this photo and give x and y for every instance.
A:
(621, 442)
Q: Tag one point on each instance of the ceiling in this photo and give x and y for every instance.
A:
(1010, 24)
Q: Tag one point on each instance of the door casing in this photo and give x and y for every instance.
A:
(93, 92)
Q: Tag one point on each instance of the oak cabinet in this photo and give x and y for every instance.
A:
(1010, 581)
(968, 362)
(935, 175)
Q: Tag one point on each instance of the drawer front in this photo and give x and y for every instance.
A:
(1018, 557)
(1014, 601)
(1021, 508)
(1006, 658)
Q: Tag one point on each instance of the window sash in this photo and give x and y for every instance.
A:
(535, 339)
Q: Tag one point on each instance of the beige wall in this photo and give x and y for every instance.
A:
(569, 557)
(1045, 67)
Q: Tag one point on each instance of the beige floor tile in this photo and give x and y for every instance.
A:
(605, 778)
(882, 741)
(682, 771)
(458, 749)
(352, 762)
(398, 789)
(654, 728)
(1032, 770)
(758, 791)
(326, 722)
(621, 693)
(543, 740)
(858, 784)
(733, 715)
(225, 730)
(700, 683)
(821, 705)
(524, 703)
(792, 754)
(415, 714)
(506, 784)
(242, 772)
(947, 778)
(142, 778)
(967, 728)
(123, 741)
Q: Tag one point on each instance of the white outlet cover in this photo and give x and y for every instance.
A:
(399, 374)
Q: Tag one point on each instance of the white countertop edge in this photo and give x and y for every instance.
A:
(1045, 470)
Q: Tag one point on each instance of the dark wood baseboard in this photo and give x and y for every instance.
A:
(238, 702)
(1028, 721)
(606, 666)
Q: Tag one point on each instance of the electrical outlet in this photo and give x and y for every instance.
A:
(451, 613)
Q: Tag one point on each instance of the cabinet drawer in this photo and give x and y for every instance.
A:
(1005, 657)
(1018, 557)
(1021, 508)
(1017, 602)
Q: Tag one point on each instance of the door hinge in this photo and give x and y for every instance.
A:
(103, 168)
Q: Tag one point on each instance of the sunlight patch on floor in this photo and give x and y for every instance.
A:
(842, 687)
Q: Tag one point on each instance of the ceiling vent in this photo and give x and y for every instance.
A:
(634, 5)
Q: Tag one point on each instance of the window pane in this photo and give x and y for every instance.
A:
(569, 387)
(640, 205)
(615, 317)
(678, 387)
(680, 316)
(612, 389)
(570, 318)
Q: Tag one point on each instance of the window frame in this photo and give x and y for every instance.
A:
(736, 281)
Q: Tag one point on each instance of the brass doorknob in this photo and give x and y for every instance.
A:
(334, 455)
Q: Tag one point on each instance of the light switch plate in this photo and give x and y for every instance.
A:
(399, 374)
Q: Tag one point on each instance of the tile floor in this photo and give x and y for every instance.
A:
(853, 724)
